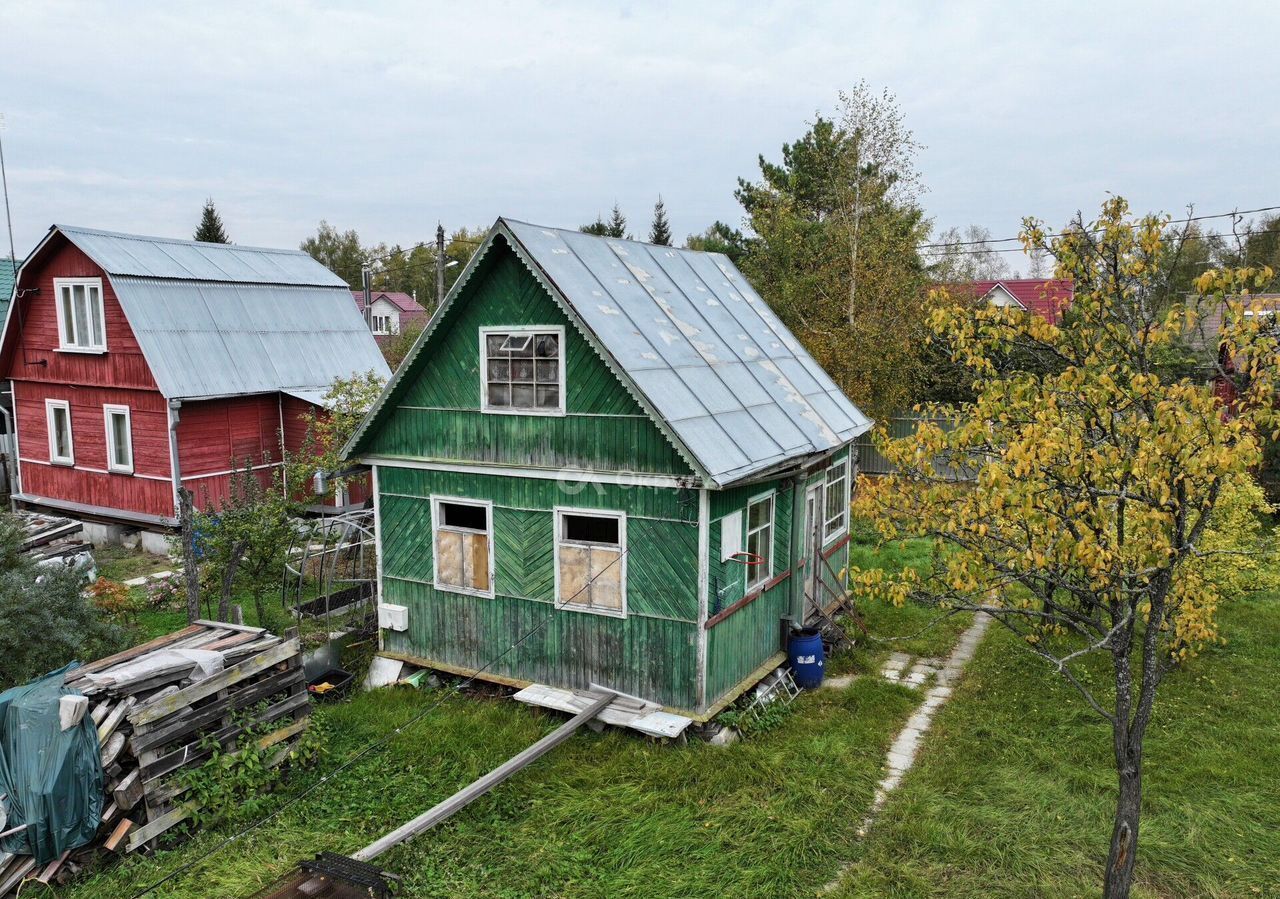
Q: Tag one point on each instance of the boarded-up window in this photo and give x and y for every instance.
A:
(464, 547)
(591, 565)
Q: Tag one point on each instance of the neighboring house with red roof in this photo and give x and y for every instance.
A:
(1046, 297)
(389, 312)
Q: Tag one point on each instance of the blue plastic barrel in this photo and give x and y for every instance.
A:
(806, 657)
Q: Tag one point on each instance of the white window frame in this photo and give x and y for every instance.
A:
(113, 464)
(70, 458)
(764, 573)
(560, 512)
(436, 519)
(381, 324)
(830, 535)
(558, 330)
(87, 283)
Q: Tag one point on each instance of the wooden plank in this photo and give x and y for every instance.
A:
(117, 835)
(153, 711)
(133, 652)
(156, 734)
(16, 873)
(52, 868)
(109, 813)
(159, 825)
(469, 794)
(194, 752)
(228, 642)
(108, 727)
(234, 627)
(128, 792)
(112, 749)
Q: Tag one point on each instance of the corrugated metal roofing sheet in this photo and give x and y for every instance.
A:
(706, 351)
(203, 338)
(8, 274)
(188, 260)
(219, 320)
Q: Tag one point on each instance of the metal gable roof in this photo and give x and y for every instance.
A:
(709, 355)
(219, 320)
(189, 260)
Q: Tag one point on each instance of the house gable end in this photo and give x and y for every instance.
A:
(433, 409)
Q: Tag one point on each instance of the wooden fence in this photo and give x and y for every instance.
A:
(872, 462)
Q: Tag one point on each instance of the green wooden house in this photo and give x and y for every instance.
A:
(605, 462)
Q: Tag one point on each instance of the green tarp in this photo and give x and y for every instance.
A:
(51, 779)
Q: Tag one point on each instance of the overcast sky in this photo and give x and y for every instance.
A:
(387, 117)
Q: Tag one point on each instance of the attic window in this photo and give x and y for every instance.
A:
(523, 370)
(80, 315)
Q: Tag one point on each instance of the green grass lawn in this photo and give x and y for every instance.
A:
(604, 815)
(1013, 794)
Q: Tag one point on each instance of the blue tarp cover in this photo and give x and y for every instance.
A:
(51, 779)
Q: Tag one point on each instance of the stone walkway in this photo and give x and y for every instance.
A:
(900, 668)
(902, 754)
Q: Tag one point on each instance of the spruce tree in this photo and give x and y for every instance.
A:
(617, 223)
(211, 230)
(660, 231)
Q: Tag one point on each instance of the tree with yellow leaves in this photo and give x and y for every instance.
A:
(1088, 527)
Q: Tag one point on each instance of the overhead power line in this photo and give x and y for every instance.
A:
(944, 245)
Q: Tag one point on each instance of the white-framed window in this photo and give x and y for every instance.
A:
(61, 448)
(80, 315)
(463, 557)
(835, 517)
(591, 561)
(382, 324)
(522, 370)
(119, 439)
(760, 539)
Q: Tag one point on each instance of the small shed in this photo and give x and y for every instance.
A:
(606, 462)
(141, 364)
(389, 312)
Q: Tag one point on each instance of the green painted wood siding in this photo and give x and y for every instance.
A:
(436, 413)
(740, 643)
(651, 653)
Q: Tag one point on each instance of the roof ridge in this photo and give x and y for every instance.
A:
(121, 235)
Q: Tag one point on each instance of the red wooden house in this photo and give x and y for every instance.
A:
(139, 364)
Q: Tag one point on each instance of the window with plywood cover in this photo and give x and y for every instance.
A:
(463, 547)
(590, 561)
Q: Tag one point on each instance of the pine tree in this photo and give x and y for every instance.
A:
(211, 230)
(660, 230)
(599, 227)
(618, 224)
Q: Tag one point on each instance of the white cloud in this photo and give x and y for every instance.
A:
(388, 118)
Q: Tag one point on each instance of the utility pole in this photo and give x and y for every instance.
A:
(439, 264)
(366, 278)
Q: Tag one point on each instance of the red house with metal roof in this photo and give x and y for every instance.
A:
(1046, 297)
(138, 365)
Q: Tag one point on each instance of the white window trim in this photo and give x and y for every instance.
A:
(767, 574)
(829, 536)
(70, 459)
(558, 330)
(560, 512)
(436, 518)
(63, 346)
(109, 410)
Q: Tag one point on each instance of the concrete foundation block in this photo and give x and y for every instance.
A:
(154, 543)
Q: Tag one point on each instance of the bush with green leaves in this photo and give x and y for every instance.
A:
(46, 618)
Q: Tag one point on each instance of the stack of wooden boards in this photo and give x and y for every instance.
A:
(52, 536)
(158, 708)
